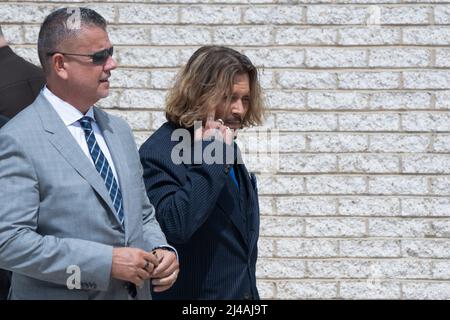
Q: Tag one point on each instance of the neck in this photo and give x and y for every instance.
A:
(64, 94)
(3, 42)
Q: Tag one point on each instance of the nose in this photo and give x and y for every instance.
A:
(110, 64)
(237, 108)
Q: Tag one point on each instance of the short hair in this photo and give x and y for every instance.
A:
(64, 24)
(205, 80)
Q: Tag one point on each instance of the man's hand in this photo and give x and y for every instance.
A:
(166, 273)
(133, 265)
(214, 128)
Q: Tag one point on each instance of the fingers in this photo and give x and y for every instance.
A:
(144, 269)
(159, 256)
(163, 284)
(208, 128)
(165, 271)
(167, 266)
(161, 288)
(210, 118)
(150, 258)
(137, 266)
(211, 123)
(219, 131)
(198, 133)
(149, 263)
(133, 265)
(228, 135)
(142, 275)
(139, 277)
(211, 129)
(214, 127)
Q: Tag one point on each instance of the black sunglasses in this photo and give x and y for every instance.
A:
(98, 58)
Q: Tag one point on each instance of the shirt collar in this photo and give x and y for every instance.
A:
(68, 113)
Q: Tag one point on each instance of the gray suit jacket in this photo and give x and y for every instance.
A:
(55, 211)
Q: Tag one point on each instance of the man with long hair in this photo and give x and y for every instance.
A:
(207, 202)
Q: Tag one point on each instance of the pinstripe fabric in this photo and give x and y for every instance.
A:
(102, 166)
(213, 226)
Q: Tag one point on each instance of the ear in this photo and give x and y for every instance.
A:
(58, 66)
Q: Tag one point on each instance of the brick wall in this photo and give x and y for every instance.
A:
(358, 90)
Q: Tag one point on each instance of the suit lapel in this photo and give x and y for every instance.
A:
(228, 199)
(229, 203)
(225, 202)
(60, 137)
(117, 152)
(252, 207)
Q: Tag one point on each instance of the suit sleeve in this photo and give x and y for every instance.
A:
(22, 248)
(152, 234)
(182, 204)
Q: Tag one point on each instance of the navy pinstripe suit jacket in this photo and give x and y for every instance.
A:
(3, 120)
(213, 226)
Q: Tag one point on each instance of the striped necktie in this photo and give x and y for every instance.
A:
(102, 166)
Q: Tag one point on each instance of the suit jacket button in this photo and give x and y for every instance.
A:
(247, 296)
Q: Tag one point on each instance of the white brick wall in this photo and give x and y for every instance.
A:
(360, 94)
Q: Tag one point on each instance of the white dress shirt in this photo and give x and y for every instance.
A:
(70, 116)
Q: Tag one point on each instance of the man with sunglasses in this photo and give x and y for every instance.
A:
(75, 221)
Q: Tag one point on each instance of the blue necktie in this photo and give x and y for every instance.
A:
(233, 176)
(102, 166)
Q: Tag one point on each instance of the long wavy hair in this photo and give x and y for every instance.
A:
(206, 80)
